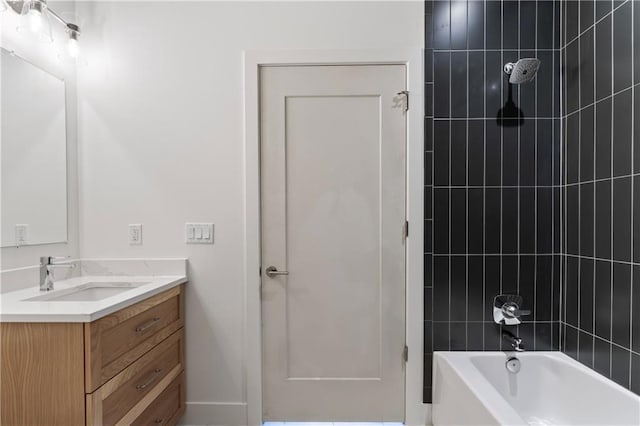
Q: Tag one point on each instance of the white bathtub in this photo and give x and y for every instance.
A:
(475, 388)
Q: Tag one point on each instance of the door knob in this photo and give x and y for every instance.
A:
(272, 271)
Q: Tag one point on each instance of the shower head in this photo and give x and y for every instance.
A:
(522, 71)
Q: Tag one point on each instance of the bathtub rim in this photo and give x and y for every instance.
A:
(461, 364)
(478, 385)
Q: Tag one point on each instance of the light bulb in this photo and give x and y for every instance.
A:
(35, 20)
(73, 49)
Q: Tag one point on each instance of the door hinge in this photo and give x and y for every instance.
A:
(405, 93)
(405, 353)
(405, 230)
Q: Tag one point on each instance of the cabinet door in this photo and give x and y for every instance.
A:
(42, 376)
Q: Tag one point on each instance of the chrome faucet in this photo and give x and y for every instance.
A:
(46, 265)
(515, 341)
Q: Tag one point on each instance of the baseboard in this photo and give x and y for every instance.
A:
(419, 415)
(215, 414)
(428, 414)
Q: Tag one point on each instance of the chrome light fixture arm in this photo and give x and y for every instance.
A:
(72, 29)
(23, 6)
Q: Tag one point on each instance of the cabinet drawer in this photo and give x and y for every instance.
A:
(117, 340)
(167, 408)
(118, 396)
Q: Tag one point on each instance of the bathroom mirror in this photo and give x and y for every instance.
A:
(33, 154)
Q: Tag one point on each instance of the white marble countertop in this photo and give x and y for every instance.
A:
(14, 306)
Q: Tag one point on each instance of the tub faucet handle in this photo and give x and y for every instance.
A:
(512, 310)
(506, 309)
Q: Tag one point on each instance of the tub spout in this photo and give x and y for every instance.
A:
(515, 341)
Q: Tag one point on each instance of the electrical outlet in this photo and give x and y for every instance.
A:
(22, 234)
(135, 234)
(199, 233)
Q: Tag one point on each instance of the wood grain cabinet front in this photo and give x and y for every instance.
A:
(125, 368)
(115, 341)
(112, 401)
(41, 380)
(167, 408)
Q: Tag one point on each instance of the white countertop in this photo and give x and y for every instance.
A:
(15, 308)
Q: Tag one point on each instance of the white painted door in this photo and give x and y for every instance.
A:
(333, 211)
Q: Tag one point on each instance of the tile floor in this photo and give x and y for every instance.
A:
(329, 424)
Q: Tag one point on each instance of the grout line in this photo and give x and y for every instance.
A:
(563, 194)
(563, 153)
(610, 96)
(503, 186)
(501, 149)
(612, 261)
(484, 177)
(450, 178)
(579, 212)
(594, 181)
(611, 200)
(632, 189)
(432, 191)
(504, 255)
(491, 322)
(580, 34)
(490, 118)
(593, 225)
(466, 328)
(432, 182)
(518, 236)
(553, 168)
(535, 192)
(610, 342)
(488, 50)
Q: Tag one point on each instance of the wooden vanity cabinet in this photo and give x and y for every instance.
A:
(125, 368)
(41, 375)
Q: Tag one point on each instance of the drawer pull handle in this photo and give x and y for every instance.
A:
(147, 325)
(158, 421)
(153, 378)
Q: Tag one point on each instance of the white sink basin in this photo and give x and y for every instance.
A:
(88, 292)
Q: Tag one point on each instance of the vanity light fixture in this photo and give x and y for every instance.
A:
(36, 15)
(35, 22)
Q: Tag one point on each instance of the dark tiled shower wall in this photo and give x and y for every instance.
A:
(601, 72)
(493, 186)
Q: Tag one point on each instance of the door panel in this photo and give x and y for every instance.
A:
(333, 208)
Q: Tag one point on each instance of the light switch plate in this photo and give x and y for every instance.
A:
(22, 234)
(135, 234)
(199, 233)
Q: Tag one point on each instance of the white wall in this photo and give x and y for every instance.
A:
(161, 143)
(45, 56)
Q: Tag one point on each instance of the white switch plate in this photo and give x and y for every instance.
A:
(199, 233)
(135, 234)
(22, 234)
